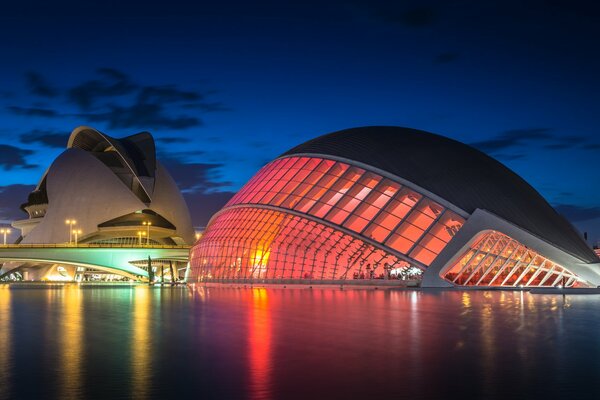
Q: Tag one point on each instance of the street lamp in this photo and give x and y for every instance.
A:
(198, 235)
(147, 225)
(70, 222)
(4, 231)
(140, 234)
(76, 232)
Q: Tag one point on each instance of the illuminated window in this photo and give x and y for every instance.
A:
(495, 259)
(372, 207)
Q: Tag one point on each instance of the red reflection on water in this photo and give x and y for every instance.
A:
(259, 345)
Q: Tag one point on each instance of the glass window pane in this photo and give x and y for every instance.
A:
(399, 243)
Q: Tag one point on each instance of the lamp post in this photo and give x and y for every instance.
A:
(5, 231)
(76, 232)
(70, 222)
(147, 225)
(140, 234)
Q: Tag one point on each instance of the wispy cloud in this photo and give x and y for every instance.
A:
(10, 198)
(512, 144)
(39, 86)
(33, 111)
(110, 83)
(114, 99)
(12, 157)
(195, 177)
(49, 138)
(144, 116)
(577, 213)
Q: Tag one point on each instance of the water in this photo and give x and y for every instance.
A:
(137, 342)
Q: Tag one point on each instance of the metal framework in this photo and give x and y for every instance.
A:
(495, 259)
(304, 217)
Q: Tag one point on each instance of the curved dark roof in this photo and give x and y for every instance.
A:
(460, 174)
(136, 153)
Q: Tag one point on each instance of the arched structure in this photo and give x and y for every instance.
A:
(37, 262)
(388, 202)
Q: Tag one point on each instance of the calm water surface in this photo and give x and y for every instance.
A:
(137, 342)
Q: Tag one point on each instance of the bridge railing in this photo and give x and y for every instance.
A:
(91, 245)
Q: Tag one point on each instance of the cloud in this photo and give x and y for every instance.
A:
(512, 138)
(144, 116)
(32, 111)
(173, 139)
(591, 146)
(201, 186)
(509, 157)
(207, 107)
(166, 93)
(10, 198)
(12, 157)
(445, 58)
(114, 99)
(38, 85)
(112, 83)
(576, 213)
(194, 177)
(557, 146)
(48, 138)
(204, 205)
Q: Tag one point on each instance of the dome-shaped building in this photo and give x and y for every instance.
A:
(115, 190)
(391, 203)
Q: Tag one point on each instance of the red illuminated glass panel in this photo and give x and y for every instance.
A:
(495, 259)
(254, 243)
(360, 201)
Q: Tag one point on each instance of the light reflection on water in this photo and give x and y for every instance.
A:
(141, 348)
(139, 342)
(5, 340)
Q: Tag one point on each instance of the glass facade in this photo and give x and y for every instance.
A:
(495, 259)
(345, 217)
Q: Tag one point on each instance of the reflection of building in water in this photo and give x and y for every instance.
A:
(141, 350)
(5, 341)
(387, 203)
(259, 345)
(71, 337)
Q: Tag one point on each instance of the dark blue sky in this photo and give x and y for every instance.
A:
(226, 87)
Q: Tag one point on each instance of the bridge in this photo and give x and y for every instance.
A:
(113, 258)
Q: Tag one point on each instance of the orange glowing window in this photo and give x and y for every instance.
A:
(356, 223)
(377, 232)
(432, 243)
(337, 215)
(388, 221)
(400, 243)
(360, 200)
(447, 226)
(423, 255)
(410, 231)
(425, 213)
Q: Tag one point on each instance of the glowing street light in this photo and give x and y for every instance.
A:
(4, 231)
(147, 225)
(76, 232)
(140, 234)
(70, 222)
(198, 236)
